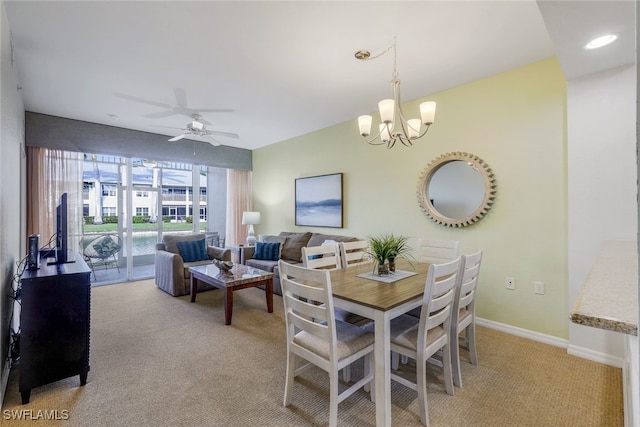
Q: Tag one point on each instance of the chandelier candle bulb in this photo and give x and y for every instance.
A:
(413, 126)
(428, 112)
(364, 123)
(386, 107)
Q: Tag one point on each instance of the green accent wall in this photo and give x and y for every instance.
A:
(514, 121)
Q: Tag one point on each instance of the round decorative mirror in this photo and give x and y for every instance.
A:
(456, 189)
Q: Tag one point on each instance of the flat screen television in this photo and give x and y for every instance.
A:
(61, 230)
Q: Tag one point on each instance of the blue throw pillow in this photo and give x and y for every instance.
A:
(268, 251)
(193, 250)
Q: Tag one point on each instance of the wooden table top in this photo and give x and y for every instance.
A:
(375, 294)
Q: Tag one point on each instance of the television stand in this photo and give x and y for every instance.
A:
(54, 343)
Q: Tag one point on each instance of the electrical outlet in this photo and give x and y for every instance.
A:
(538, 288)
(511, 283)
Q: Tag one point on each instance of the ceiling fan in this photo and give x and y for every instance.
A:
(171, 110)
(197, 127)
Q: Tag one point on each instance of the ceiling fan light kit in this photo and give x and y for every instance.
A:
(197, 128)
(394, 127)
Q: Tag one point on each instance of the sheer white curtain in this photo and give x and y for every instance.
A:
(50, 173)
(239, 200)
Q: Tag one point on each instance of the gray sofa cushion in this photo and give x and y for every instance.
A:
(292, 249)
(262, 264)
(316, 239)
(171, 241)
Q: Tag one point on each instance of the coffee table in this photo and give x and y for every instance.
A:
(239, 277)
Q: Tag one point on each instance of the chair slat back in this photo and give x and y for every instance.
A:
(354, 253)
(438, 296)
(466, 289)
(308, 303)
(323, 256)
(437, 251)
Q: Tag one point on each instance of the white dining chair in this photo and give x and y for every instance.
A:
(328, 257)
(463, 317)
(323, 256)
(313, 334)
(420, 339)
(353, 254)
(437, 251)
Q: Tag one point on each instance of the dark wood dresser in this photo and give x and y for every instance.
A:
(54, 324)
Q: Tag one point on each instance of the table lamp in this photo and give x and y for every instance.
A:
(251, 218)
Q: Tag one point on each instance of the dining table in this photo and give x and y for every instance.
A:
(359, 291)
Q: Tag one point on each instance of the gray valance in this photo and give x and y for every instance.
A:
(53, 132)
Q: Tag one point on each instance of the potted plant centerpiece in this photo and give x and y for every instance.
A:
(385, 250)
(399, 250)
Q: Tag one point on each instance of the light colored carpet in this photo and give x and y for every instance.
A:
(157, 360)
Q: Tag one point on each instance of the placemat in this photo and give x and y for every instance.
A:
(398, 275)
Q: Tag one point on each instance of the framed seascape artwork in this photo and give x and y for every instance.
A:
(319, 201)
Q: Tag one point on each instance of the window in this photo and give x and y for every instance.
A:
(142, 211)
(142, 194)
(109, 211)
(109, 190)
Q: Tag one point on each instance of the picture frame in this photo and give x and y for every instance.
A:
(319, 201)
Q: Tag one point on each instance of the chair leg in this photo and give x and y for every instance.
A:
(346, 373)
(421, 385)
(291, 373)
(333, 398)
(446, 368)
(455, 359)
(471, 342)
(395, 360)
(369, 366)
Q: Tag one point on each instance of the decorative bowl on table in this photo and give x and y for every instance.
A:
(224, 266)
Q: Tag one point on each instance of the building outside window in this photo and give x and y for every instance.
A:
(142, 211)
(109, 211)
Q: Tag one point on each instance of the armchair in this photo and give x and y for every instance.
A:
(172, 272)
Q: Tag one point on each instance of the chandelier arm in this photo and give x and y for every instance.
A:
(371, 141)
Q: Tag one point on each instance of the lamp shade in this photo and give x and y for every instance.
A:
(250, 218)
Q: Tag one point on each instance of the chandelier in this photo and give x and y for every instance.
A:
(394, 127)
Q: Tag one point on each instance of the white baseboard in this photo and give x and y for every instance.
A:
(596, 356)
(524, 333)
(573, 350)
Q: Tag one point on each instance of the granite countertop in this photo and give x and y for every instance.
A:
(609, 296)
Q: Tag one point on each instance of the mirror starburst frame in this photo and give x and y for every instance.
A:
(489, 187)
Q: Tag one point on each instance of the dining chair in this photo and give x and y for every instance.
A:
(313, 334)
(435, 251)
(323, 256)
(354, 253)
(422, 338)
(463, 316)
(328, 257)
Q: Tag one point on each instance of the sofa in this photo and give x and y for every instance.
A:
(290, 250)
(172, 270)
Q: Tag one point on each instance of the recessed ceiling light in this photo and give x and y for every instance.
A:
(601, 41)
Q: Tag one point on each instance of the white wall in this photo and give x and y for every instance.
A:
(12, 191)
(602, 175)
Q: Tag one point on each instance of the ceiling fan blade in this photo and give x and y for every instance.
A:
(144, 101)
(211, 140)
(168, 127)
(225, 134)
(177, 138)
(217, 110)
(159, 115)
(181, 96)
